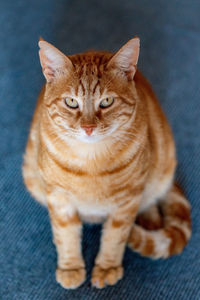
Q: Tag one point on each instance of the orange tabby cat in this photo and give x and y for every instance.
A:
(101, 150)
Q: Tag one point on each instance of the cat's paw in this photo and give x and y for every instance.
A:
(102, 277)
(70, 279)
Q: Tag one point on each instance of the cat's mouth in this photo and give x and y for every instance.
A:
(95, 136)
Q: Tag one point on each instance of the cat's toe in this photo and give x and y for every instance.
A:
(102, 277)
(70, 279)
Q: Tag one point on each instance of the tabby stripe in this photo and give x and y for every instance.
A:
(130, 103)
(94, 89)
(82, 86)
(55, 115)
(119, 168)
(54, 101)
(76, 172)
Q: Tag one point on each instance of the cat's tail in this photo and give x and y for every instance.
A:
(174, 225)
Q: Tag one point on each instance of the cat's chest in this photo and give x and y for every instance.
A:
(85, 181)
(93, 198)
(90, 188)
(97, 192)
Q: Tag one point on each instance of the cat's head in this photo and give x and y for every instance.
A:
(90, 96)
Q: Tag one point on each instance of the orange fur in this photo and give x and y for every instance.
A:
(119, 171)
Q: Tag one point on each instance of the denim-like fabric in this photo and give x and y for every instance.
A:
(170, 58)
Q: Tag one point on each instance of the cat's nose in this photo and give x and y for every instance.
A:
(88, 128)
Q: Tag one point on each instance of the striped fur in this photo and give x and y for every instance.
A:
(122, 174)
(158, 235)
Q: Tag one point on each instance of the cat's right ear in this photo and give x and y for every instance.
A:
(53, 61)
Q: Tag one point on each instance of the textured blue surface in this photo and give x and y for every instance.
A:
(170, 58)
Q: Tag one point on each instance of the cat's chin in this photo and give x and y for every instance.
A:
(89, 139)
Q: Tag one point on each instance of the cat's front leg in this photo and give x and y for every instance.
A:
(66, 227)
(108, 264)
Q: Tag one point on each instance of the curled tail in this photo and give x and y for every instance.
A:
(160, 235)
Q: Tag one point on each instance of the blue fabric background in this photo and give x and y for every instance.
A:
(170, 58)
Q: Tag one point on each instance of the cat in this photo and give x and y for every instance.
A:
(100, 150)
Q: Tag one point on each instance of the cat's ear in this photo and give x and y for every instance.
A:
(125, 60)
(52, 60)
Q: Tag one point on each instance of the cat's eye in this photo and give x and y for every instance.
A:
(106, 102)
(71, 102)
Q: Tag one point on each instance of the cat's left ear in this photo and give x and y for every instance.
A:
(54, 63)
(125, 60)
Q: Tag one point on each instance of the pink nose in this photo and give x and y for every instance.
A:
(88, 128)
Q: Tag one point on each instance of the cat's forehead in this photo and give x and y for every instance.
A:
(89, 70)
(90, 63)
